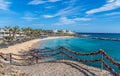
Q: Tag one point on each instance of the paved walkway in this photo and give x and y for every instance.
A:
(68, 68)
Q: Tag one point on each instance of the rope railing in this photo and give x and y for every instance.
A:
(2, 56)
(96, 53)
(33, 56)
(109, 58)
(65, 51)
(109, 68)
(47, 56)
(21, 59)
(76, 59)
(35, 52)
(81, 54)
(21, 55)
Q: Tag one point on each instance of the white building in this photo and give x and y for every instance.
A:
(64, 31)
(55, 31)
(6, 33)
(70, 32)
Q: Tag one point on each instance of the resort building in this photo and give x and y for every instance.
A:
(55, 31)
(6, 33)
(63, 31)
(3, 33)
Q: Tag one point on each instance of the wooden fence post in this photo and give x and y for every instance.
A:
(36, 59)
(10, 58)
(118, 74)
(118, 71)
(62, 53)
(101, 59)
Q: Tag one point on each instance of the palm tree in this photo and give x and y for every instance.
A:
(27, 31)
(60, 31)
(15, 30)
(9, 29)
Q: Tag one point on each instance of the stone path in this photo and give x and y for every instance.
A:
(68, 68)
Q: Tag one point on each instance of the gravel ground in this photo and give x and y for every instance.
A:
(66, 68)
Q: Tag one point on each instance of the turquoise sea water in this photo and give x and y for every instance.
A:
(85, 45)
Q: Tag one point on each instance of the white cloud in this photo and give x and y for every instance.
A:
(67, 21)
(29, 16)
(110, 5)
(110, 0)
(82, 19)
(62, 13)
(53, 0)
(4, 5)
(47, 16)
(113, 13)
(66, 11)
(36, 2)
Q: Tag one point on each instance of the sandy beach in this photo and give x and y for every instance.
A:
(68, 68)
(21, 47)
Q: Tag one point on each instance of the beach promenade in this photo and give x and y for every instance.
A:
(58, 68)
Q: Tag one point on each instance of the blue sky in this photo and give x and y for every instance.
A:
(76, 15)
